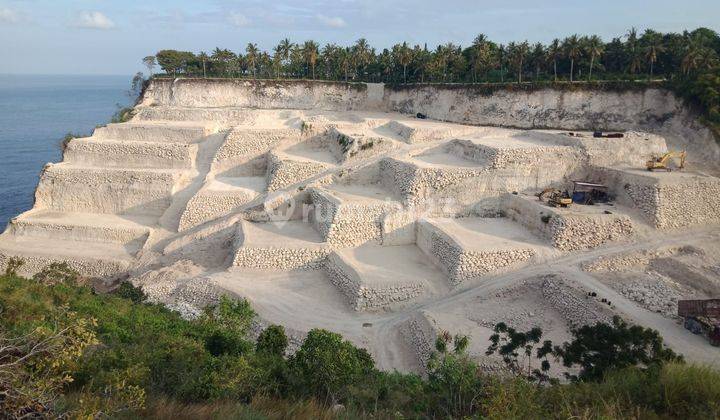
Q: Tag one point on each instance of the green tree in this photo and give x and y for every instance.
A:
(203, 58)
(573, 51)
(150, 62)
(325, 365)
(272, 341)
(595, 48)
(310, 52)
(252, 55)
(554, 53)
(600, 348)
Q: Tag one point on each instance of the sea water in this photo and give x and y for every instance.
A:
(36, 112)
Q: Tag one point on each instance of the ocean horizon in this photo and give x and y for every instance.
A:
(36, 112)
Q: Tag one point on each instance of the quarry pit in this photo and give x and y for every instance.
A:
(332, 205)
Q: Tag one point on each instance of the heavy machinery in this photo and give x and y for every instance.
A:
(589, 193)
(661, 162)
(555, 197)
(702, 317)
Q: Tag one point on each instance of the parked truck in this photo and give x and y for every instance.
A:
(702, 317)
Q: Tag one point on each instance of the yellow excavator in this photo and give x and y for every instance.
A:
(555, 197)
(661, 162)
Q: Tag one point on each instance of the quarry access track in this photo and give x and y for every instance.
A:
(391, 351)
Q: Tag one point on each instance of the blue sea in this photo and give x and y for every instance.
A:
(35, 114)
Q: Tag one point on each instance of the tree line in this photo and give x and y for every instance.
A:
(633, 56)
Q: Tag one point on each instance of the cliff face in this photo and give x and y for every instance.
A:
(653, 110)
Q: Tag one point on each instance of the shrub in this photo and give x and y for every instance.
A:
(325, 365)
(57, 273)
(128, 291)
(272, 341)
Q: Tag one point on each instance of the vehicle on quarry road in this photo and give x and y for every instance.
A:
(661, 162)
(556, 198)
(702, 317)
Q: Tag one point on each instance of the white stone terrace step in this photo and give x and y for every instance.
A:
(372, 276)
(68, 188)
(280, 245)
(88, 258)
(467, 248)
(158, 131)
(130, 154)
(131, 231)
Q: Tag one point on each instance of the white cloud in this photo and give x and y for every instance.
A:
(94, 20)
(8, 16)
(333, 22)
(238, 19)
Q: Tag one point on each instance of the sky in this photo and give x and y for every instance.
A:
(112, 36)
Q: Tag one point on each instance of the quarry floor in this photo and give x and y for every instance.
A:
(385, 228)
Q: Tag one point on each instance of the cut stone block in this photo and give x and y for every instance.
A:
(219, 198)
(373, 277)
(282, 245)
(124, 154)
(668, 200)
(468, 248)
(570, 229)
(284, 170)
(245, 143)
(350, 215)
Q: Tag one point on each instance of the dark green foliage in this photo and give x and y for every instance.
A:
(128, 291)
(520, 349)
(325, 365)
(206, 368)
(272, 341)
(601, 348)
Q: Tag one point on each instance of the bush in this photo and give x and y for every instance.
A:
(272, 341)
(325, 365)
(128, 291)
(57, 273)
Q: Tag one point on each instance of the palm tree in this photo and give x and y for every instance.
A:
(203, 57)
(404, 57)
(282, 54)
(517, 53)
(554, 52)
(251, 57)
(346, 59)
(653, 47)
(361, 54)
(502, 52)
(573, 51)
(633, 49)
(481, 55)
(594, 48)
(310, 53)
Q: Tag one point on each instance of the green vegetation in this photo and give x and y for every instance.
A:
(688, 63)
(68, 351)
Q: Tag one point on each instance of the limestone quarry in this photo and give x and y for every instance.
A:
(332, 205)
